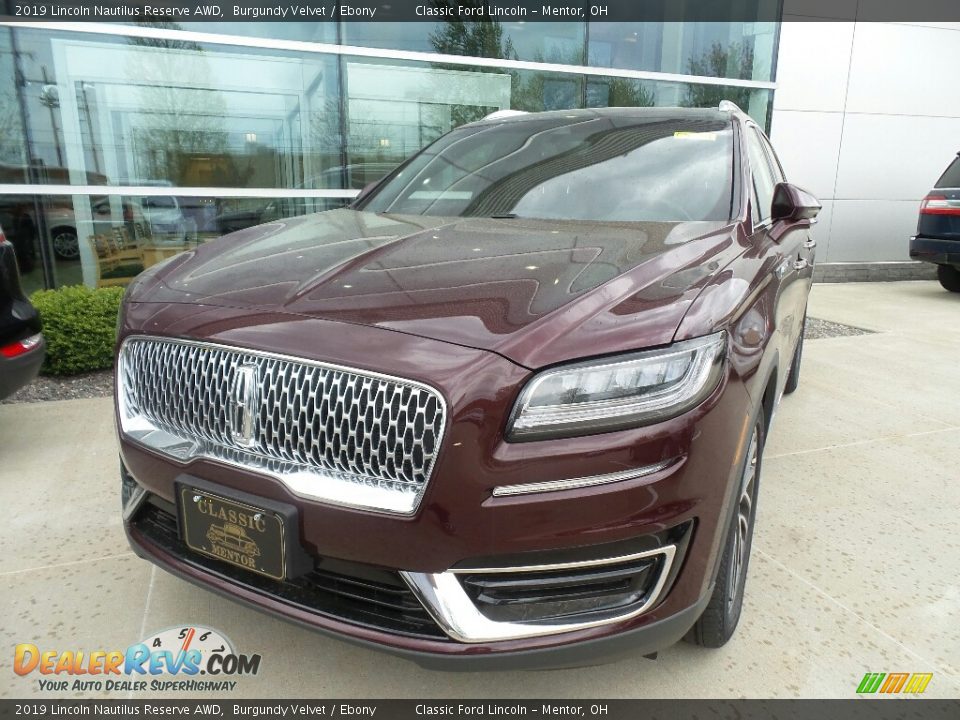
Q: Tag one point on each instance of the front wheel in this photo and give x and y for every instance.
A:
(718, 622)
(949, 277)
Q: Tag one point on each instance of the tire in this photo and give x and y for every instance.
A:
(793, 379)
(65, 243)
(719, 621)
(949, 277)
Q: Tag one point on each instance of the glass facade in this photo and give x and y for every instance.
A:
(120, 148)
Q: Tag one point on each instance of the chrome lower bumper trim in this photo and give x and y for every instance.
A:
(575, 483)
(445, 599)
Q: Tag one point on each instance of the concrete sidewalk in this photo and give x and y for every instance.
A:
(856, 564)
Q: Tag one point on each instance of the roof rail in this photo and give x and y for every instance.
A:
(730, 106)
(502, 114)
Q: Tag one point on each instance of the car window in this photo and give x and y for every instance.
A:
(951, 177)
(595, 168)
(778, 175)
(763, 178)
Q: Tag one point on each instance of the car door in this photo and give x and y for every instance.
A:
(784, 253)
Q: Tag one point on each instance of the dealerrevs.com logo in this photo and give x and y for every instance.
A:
(894, 683)
(188, 659)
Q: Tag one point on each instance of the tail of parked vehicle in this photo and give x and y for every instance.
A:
(938, 230)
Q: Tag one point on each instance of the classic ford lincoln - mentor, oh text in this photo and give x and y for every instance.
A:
(506, 409)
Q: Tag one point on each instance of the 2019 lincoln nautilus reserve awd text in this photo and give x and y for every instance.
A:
(508, 408)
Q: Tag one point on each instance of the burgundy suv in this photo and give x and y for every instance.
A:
(507, 409)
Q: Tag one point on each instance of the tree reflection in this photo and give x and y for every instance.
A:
(733, 61)
(179, 123)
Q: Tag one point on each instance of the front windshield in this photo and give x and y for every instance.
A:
(601, 168)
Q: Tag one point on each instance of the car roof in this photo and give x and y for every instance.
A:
(680, 114)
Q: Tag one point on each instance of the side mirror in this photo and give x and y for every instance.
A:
(792, 204)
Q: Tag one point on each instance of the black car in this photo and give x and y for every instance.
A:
(21, 344)
(938, 232)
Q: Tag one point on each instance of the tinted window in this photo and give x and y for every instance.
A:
(951, 178)
(763, 179)
(572, 168)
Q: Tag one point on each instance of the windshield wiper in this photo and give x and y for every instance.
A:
(504, 216)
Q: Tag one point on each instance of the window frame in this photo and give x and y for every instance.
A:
(754, 133)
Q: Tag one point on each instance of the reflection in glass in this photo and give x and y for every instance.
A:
(170, 113)
(11, 127)
(394, 110)
(142, 111)
(555, 42)
(741, 50)
(624, 92)
(322, 32)
(239, 213)
(621, 167)
(107, 240)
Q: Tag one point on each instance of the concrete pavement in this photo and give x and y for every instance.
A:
(856, 564)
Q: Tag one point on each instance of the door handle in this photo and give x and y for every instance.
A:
(810, 244)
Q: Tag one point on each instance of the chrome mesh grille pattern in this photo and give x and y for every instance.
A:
(337, 423)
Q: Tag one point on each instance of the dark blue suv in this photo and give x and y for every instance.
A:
(938, 231)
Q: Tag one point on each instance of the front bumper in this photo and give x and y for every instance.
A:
(461, 523)
(412, 633)
(538, 528)
(935, 250)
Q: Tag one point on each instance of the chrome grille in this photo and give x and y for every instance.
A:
(328, 432)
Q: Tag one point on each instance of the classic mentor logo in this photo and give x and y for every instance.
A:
(893, 683)
(183, 652)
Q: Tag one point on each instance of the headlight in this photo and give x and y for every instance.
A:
(619, 392)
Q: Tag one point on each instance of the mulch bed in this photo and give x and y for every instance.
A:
(73, 387)
(818, 329)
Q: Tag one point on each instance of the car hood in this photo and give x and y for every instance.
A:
(534, 291)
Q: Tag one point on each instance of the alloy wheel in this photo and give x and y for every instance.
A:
(65, 245)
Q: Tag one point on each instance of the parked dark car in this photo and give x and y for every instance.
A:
(16, 214)
(938, 230)
(21, 343)
(507, 409)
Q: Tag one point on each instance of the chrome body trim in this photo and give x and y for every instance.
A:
(576, 483)
(243, 405)
(448, 603)
(228, 444)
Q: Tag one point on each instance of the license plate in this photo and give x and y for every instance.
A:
(243, 535)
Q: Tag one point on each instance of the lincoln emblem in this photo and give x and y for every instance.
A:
(243, 399)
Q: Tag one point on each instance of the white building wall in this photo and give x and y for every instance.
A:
(866, 117)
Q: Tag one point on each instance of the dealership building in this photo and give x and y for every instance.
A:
(123, 143)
